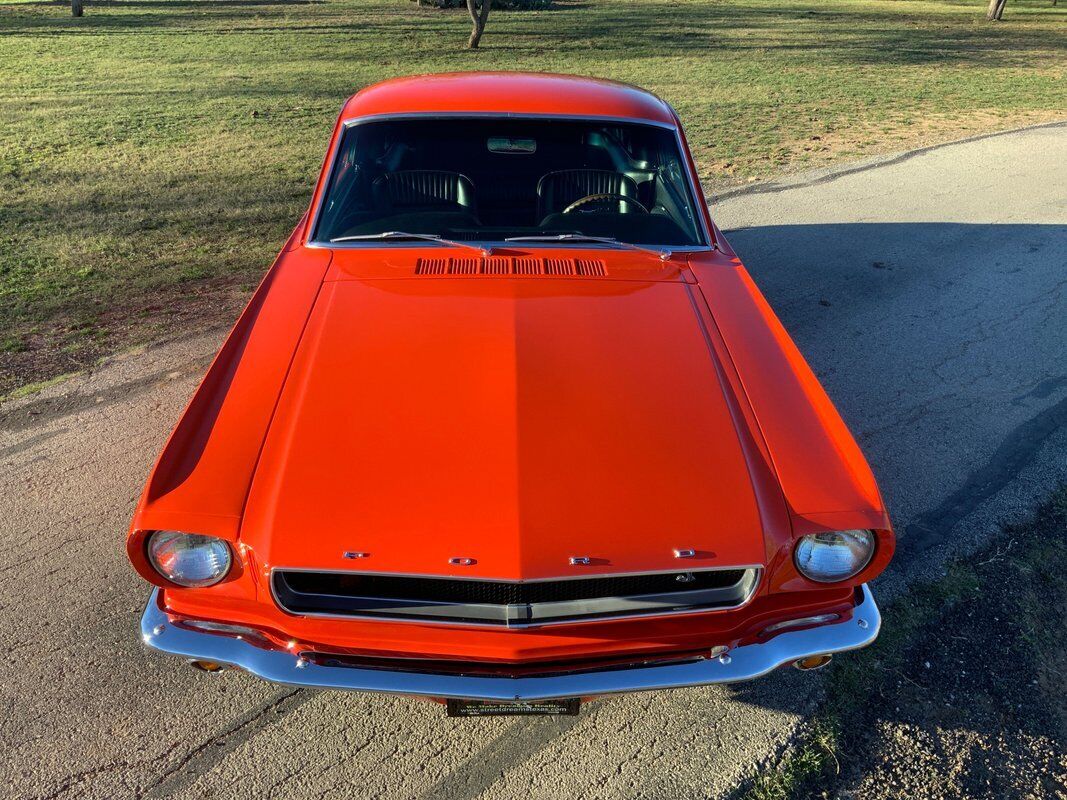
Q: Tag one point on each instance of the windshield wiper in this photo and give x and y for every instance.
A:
(581, 237)
(420, 237)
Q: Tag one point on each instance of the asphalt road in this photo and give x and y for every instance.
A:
(928, 293)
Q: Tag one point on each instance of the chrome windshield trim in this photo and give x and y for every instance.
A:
(500, 244)
(695, 189)
(408, 115)
(740, 664)
(533, 615)
(327, 174)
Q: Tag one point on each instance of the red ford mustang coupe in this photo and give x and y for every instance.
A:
(508, 424)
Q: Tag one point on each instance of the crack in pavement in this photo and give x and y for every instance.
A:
(1043, 390)
(207, 755)
(46, 409)
(516, 745)
(1014, 453)
(81, 777)
(30, 443)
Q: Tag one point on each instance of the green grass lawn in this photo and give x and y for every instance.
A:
(155, 153)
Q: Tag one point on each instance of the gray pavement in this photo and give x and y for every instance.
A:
(927, 292)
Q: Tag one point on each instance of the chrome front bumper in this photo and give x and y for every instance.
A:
(741, 664)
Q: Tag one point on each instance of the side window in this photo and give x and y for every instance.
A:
(674, 182)
(345, 178)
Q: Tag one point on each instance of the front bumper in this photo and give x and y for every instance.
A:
(740, 664)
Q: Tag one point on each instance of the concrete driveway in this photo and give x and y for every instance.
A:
(928, 293)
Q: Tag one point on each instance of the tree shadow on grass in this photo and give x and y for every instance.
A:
(168, 4)
(821, 36)
(859, 37)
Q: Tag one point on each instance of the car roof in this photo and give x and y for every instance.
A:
(508, 93)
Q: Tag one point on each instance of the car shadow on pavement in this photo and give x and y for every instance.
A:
(860, 264)
(942, 346)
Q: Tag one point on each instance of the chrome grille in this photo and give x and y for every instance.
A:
(509, 603)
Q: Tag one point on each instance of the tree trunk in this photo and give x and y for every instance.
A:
(76, 8)
(996, 10)
(478, 19)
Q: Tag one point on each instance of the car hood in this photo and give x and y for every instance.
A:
(515, 423)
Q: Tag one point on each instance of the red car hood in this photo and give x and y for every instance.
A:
(515, 422)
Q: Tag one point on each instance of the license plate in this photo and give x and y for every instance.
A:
(513, 708)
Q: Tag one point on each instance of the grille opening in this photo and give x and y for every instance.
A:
(507, 603)
(539, 669)
(503, 592)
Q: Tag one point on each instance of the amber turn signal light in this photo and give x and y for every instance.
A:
(812, 662)
(206, 666)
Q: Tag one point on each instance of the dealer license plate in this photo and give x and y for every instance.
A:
(513, 708)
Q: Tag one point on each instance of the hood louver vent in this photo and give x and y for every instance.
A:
(503, 265)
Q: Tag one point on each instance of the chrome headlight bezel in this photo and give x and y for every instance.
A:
(856, 545)
(218, 564)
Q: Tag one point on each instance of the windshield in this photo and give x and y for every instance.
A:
(497, 179)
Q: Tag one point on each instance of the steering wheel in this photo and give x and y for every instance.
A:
(604, 198)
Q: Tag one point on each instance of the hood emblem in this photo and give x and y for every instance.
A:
(462, 561)
(577, 561)
(684, 553)
(354, 554)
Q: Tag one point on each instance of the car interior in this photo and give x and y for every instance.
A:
(496, 178)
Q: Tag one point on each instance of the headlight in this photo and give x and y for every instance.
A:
(189, 559)
(834, 555)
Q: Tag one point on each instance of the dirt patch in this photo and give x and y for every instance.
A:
(963, 694)
(74, 344)
(977, 708)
